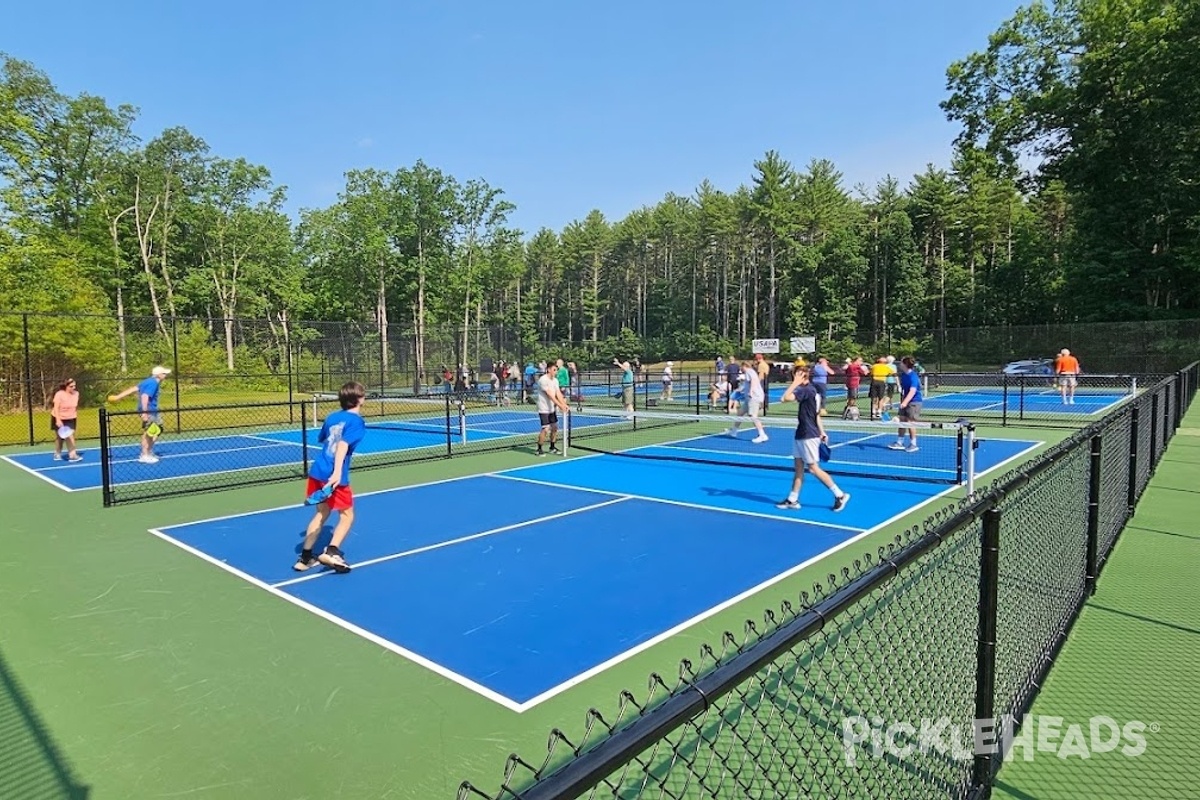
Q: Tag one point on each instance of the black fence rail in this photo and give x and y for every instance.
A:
(215, 360)
(905, 677)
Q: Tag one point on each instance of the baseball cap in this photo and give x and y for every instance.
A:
(670, 363)
(160, 371)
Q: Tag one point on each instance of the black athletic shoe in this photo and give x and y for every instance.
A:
(840, 503)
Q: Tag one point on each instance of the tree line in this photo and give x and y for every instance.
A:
(1073, 195)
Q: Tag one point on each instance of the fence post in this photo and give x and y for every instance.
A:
(449, 438)
(985, 664)
(304, 435)
(1166, 417)
(291, 381)
(1093, 528)
(1004, 400)
(1153, 423)
(105, 464)
(28, 377)
(1131, 493)
(175, 367)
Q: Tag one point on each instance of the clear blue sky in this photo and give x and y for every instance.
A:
(566, 106)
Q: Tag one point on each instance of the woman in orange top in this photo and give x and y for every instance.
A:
(63, 415)
(1067, 368)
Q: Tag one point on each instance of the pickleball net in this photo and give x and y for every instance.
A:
(944, 454)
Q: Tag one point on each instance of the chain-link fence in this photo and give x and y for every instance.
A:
(218, 361)
(904, 677)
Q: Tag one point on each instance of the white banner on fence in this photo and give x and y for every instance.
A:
(804, 344)
(766, 345)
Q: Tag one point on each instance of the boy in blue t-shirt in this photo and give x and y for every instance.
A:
(340, 435)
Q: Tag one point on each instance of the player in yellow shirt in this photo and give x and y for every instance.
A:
(880, 371)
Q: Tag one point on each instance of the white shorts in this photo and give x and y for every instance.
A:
(754, 407)
(807, 450)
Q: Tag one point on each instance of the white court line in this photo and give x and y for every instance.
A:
(38, 474)
(438, 545)
(680, 503)
(416, 658)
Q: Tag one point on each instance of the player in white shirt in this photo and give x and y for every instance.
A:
(752, 404)
(549, 400)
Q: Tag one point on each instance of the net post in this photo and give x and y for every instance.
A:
(462, 420)
(985, 650)
(1093, 524)
(105, 462)
(1004, 401)
(696, 381)
(566, 433)
(969, 454)
(1131, 491)
(1133, 386)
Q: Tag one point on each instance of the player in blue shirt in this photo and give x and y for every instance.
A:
(340, 435)
(147, 406)
(809, 435)
(910, 404)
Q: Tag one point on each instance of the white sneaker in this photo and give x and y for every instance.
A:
(759, 439)
(896, 446)
(148, 459)
(731, 433)
(912, 448)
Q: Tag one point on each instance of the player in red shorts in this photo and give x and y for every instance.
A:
(340, 435)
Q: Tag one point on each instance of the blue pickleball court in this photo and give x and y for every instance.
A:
(522, 583)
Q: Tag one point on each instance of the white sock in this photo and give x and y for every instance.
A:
(793, 497)
(836, 491)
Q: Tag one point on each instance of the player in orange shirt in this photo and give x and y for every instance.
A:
(1066, 367)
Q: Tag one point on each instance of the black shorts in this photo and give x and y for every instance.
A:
(70, 423)
(548, 419)
(878, 390)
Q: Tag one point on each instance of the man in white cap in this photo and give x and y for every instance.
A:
(147, 394)
(667, 380)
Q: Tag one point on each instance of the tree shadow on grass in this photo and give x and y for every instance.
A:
(31, 766)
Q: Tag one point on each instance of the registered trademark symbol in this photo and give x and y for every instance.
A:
(1154, 726)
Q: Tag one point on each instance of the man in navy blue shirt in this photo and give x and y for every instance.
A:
(809, 435)
(339, 437)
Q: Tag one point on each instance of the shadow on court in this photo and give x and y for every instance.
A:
(31, 766)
